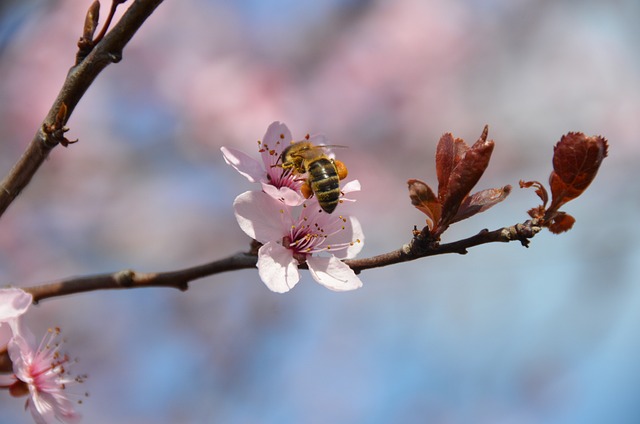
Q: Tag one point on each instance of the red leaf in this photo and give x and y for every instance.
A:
(465, 176)
(540, 191)
(480, 202)
(537, 212)
(560, 223)
(448, 154)
(576, 160)
(423, 198)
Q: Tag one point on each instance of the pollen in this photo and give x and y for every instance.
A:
(282, 136)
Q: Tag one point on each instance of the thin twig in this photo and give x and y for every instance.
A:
(78, 80)
(128, 279)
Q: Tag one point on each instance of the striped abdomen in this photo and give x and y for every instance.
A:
(324, 182)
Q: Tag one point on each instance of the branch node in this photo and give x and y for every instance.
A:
(54, 133)
(115, 57)
(125, 278)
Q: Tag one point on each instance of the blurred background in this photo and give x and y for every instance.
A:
(504, 334)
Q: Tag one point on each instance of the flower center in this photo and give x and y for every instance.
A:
(312, 232)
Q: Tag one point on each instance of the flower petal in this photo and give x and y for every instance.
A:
(277, 267)
(277, 133)
(351, 186)
(261, 217)
(352, 235)
(333, 274)
(284, 194)
(244, 164)
(13, 303)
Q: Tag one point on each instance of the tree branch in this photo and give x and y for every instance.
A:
(421, 247)
(129, 279)
(79, 78)
(416, 249)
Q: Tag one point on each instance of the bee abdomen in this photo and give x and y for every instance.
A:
(325, 183)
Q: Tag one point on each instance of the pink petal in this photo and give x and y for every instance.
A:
(333, 274)
(286, 195)
(351, 234)
(277, 132)
(21, 354)
(351, 186)
(261, 217)
(244, 164)
(277, 267)
(13, 303)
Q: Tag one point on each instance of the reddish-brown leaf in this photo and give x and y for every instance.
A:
(423, 198)
(465, 176)
(540, 190)
(480, 202)
(448, 154)
(445, 161)
(560, 223)
(576, 160)
(537, 212)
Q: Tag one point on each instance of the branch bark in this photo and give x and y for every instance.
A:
(79, 79)
(180, 279)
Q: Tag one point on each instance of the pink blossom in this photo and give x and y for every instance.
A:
(277, 182)
(274, 180)
(43, 374)
(289, 241)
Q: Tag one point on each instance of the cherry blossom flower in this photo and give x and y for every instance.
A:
(275, 181)
(314, 237)
(42, 373)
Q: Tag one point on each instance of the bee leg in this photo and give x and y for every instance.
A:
(341, 168)
(306, 190)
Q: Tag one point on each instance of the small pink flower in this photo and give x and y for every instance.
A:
(42, 373)
(274, 180)
(289, 241)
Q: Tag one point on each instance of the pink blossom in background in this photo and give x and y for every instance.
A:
(43, 373)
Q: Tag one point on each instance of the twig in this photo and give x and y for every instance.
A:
(415, 250)
(78, 80)
(128, 279)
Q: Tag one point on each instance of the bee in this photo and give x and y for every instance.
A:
(323, 173)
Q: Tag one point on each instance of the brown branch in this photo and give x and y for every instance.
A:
(420, 248)
(416, 249)
(129, 279)
(79, 78)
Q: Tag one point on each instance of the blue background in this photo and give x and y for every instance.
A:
(504, 334)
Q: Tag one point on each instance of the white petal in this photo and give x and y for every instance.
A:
(261, 217)
(351, 186)
(277, 267)
(285, 194)
(244, 164)
(13, 303)
(332, 273)
(352, 233)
